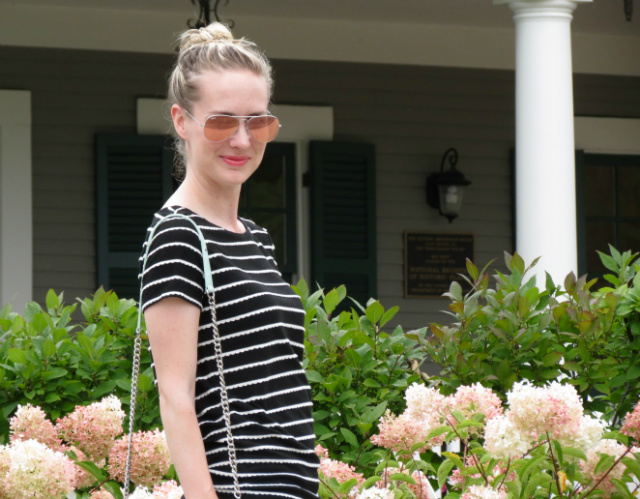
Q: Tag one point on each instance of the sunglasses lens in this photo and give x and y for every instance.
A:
(264, 128)
(218, 128)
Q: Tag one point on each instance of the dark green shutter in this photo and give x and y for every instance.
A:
(133, 179)
(343, 217)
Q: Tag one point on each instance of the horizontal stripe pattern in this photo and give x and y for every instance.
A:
(261, 323)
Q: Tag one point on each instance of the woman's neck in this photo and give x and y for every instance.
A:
(217, 204)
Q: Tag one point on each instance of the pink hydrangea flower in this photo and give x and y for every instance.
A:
(556, 409)
(34, 471)
(100, 494)
(342, 472)
(167, 490)
(631, 424)
(31, 423)
(150, 458)
(423, 402)
(475, 398)
(483, 492)
(402, 432)
(610, 448)
(321, 451)
(84, 479)
(93, 428)
(589, 433)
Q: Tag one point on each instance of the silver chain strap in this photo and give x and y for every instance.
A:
(135, 371)
(224, 396)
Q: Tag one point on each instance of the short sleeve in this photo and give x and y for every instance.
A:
(174, 264)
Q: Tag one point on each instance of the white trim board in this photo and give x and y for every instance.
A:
(16, 212)
(300, 124)
(307, 39)
(607, 135)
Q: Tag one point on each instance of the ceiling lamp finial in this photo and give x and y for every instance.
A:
(204, 16)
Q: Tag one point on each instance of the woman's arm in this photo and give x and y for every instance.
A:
(172, 326)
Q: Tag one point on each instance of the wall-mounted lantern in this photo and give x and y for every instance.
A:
(445, 189)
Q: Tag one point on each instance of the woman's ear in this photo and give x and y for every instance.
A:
(178, 117)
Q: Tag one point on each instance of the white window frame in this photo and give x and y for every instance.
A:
(16, 210)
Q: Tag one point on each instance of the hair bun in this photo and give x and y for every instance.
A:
(213, 33)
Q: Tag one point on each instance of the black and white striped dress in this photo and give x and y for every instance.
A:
(261, 323)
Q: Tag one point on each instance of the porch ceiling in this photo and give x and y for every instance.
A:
(599, 17)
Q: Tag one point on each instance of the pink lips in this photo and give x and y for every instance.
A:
(235, 160)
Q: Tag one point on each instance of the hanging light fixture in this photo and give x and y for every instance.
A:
(628, 9)
(204, 16)
(445, 189)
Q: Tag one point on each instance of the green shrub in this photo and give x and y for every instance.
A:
(48, 361)
(356, 370)
(589, 338)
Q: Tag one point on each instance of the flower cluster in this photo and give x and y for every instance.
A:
(167, 490)
(31, 423)
(31, 470)
(538, 413)
(93, 428)
(330, 468)
(427, 409)
(605, 476)
(631, 424)
(540, 428)
(40, 460)
(482, 492)
(150, 458)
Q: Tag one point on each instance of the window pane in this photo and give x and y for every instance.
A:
(267, 188)
(599, 236)
(629, 236)
(275, 224)
(599, 199)
(628, 188)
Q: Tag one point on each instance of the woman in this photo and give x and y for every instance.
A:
(219, 90)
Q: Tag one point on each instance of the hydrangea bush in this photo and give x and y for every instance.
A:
(469, 445)
(82, 455)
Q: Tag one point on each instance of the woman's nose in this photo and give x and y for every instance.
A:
(242, 137)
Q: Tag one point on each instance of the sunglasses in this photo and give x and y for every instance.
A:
(219, 127)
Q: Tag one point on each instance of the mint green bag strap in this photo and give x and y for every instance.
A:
(209, 290)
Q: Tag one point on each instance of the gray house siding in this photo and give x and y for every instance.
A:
(411, 114)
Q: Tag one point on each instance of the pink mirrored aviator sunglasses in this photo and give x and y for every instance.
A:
(218, 127)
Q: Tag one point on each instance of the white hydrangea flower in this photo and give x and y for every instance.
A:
(111, 403)
(502, 440)
(376, 493)
(141, 493)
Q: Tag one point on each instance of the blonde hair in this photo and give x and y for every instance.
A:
(210, 48)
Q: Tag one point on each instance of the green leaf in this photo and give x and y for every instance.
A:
(17, 356)
(369, 482)
(402, 477)
(374, 312)
(52, 300)
(113, 488)
(388, 315)
(333, 298)
(314, 376)
(455, 458)
(632, 465)
(350, 437)
(443, 472)
(93, 469)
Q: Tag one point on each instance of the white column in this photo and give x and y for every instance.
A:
(16, 218)
(545, 156)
